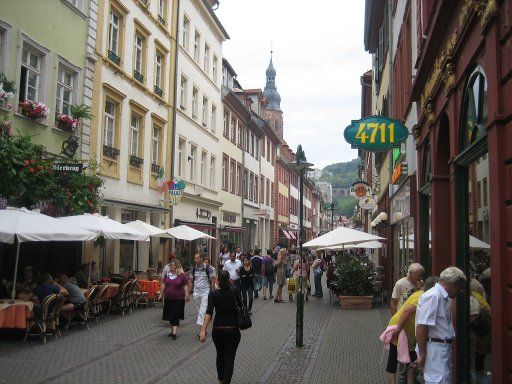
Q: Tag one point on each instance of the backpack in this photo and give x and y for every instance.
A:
(269, 267)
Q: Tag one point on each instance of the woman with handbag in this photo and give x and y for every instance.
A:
(226, 331)
(247, 282)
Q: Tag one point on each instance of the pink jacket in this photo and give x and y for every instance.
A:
(402, 345)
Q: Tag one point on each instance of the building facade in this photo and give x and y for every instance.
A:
(199, 121)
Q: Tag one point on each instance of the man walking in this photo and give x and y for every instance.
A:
(233, 266)
(434, 327)
(201, 283)
(256, 262)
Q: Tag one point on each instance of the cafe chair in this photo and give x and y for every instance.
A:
(98, 302)
(139, 296)
(45, 322)
(83, 313)
(121, 302)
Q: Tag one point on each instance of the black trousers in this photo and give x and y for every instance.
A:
(247, 296)
(226, 343)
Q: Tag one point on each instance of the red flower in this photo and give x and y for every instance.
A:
(32, 161)
(31, 170)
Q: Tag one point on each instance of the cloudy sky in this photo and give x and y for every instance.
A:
(319, 57)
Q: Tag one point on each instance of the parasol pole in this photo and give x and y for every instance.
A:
(13, 294)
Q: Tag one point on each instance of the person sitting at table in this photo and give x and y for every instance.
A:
(95, 275)
(47, 287)
(75, 299)
(82, 276)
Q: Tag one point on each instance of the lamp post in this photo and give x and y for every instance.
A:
(301, 165)
(331, 207)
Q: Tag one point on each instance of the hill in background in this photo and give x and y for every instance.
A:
(342, 175)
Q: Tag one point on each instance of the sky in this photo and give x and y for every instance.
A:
(319, 58)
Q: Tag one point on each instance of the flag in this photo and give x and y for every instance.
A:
(160, 181)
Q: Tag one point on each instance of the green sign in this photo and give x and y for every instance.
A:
(375, 133)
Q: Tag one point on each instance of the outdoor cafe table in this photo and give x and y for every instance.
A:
(112, 290)
(14, 315)
(152, 287)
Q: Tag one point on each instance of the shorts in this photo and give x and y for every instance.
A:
(268, 280)
(393, 359)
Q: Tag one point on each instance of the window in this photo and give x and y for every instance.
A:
(233, 129)
(238, 185)
(225, 172)
(192, 160)
(114, 37)
(162, 10)
(246, 140)
(183, 92)
(206, 58)
(226, 119)
(262, 189)
(202, 174)
(134, 135)
(155, 145)
(239, 131)
(232, 179)
(212, 172)
(110, 123)
(263, 147)
(215, 69)
(159, 64)
(479, 194)
(268, 191)
(474, 109)
(195, 101)
(269, 149)
(246, 185)
(256, 146)
(185, 33)
(197, 40)
(256, 184)
(205, 111)
(30, 75)
(251, 186)
(137, 57)
(251, 144)
(271, 194)
(65, 81)
(181, 157)
(484, 191)
(213, 125)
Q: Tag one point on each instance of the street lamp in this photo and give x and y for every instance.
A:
(331, 207)
(301, 166)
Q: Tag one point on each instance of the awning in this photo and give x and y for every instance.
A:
(234, 229)
(292, 234)
(286, 234)
(198, 226)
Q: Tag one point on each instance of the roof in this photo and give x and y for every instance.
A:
(208, 6)
(373, 16)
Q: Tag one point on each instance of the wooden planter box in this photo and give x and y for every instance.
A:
(355, 302)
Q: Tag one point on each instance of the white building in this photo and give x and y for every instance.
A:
(315, 174)
(198, 155)
(326, 189)
(132, 103)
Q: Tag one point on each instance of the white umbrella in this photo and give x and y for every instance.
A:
(184, 232)
(475, 243)
(341, 236)
(26, 225)
(369, 245)
(149, 230)
(104, 226)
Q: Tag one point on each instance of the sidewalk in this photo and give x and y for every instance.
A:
(340, 347)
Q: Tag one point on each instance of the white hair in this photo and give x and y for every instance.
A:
(414, 268)
(452, 275)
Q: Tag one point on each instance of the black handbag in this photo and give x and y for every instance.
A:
(242, 314)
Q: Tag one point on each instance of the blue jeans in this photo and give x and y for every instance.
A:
(257, 282)
(247, 294)
(318, 284)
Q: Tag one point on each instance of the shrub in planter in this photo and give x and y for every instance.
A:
(352, 276)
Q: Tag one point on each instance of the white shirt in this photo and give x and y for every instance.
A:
(223, 258)
(434, 311)
(238, 255)
(231, 267)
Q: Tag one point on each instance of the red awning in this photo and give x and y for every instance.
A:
(286, 234)
(292, 234)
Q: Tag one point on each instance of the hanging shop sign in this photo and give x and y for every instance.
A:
(176, 188)
(202, 213)
(360, 190)
(368, 203)
(399, 173)
(375, 133)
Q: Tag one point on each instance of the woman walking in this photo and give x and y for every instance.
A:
(247, 282)
(175, 292)
(280, 274)
(300, 271)
(225, 333)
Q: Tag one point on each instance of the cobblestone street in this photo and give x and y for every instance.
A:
(340, 347)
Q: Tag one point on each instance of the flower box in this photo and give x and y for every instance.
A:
(355, 302)
(33, 110)
(66, 122)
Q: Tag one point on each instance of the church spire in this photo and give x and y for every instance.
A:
(270, 92)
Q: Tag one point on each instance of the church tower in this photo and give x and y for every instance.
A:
(273, 113)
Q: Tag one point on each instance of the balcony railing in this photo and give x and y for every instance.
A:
(110, 152)
(138, 76)
(136, 161)
(158, 91)
(114, 58)
(155, 168)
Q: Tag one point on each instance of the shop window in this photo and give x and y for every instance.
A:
(474, 109)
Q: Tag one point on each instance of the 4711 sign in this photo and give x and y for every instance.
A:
(375, 133)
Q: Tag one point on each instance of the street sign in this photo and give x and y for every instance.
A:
(368, 203)
(360, 190)
(375, 133)
(68, 167)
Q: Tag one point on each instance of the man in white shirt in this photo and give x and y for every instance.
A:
(434, 327)
(202, 282)
(406, 286)
(233, 266)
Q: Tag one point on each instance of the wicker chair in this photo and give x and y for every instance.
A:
(84, 312)
(121, 301)
(139, 296)
(46, 320)
(98, 304)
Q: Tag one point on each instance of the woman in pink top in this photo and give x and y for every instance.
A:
(175, 287)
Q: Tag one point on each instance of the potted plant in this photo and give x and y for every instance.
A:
(352, 283)
(66, 122)
(34, 110)
(81, 111)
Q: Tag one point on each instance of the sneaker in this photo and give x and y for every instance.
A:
(173, 336)
(264, 298)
